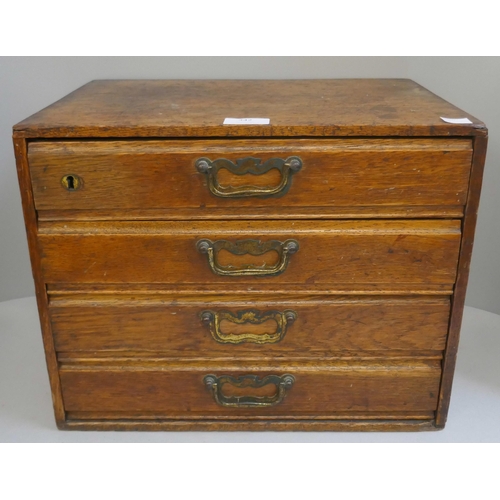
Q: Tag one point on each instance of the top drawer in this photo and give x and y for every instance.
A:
(271, 174)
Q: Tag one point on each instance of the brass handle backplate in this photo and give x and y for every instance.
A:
(253, 247)
(252, 166)
(215, 384)
(250, 316)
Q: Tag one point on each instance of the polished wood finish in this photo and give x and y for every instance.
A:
(383, 209)
(125, 175)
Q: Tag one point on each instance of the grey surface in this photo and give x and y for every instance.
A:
(26, 408)
(28, 84)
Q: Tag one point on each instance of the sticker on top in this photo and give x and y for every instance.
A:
(455, 121)
(247, 121)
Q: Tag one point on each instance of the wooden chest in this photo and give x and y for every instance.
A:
(305, 274)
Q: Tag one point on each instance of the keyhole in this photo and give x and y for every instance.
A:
(71, 182)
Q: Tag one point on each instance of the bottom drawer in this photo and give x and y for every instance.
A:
(135, 390)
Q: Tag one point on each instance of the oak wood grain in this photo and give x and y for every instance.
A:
(30, 218)
(352, 415)
(248, 213)
(349, 425)
(469, 226)
(173, 326)
(334, 252)
(144, 175)
(126, 357)
(384, 211)
(318, 389)
(79, 291)
(197, 108)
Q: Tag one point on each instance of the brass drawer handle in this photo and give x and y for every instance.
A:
(253, 247)
(252, 166)
(215, 384)
(213, 320)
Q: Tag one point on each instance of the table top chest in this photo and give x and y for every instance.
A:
(303, 274)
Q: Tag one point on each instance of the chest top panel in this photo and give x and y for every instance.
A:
(296, 108)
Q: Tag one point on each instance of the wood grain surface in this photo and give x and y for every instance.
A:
(330, 252)
(30, 219)
(318, 389)
(252, 424)
(80, 291)
(469, 227)
(252, 213)
(197, 108)
(173, 326)
(148, 175)
(383, 209)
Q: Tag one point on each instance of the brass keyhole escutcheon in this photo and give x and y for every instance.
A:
(71, 182)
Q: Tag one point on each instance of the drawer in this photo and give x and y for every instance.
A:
(186, 390)
(287, 252)
(256, 174)
(208, 326)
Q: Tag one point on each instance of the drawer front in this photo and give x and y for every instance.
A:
(280, 389)
(266, 326)
(299, 252)
(254, 173)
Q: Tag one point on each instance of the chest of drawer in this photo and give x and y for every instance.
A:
(307, 275)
